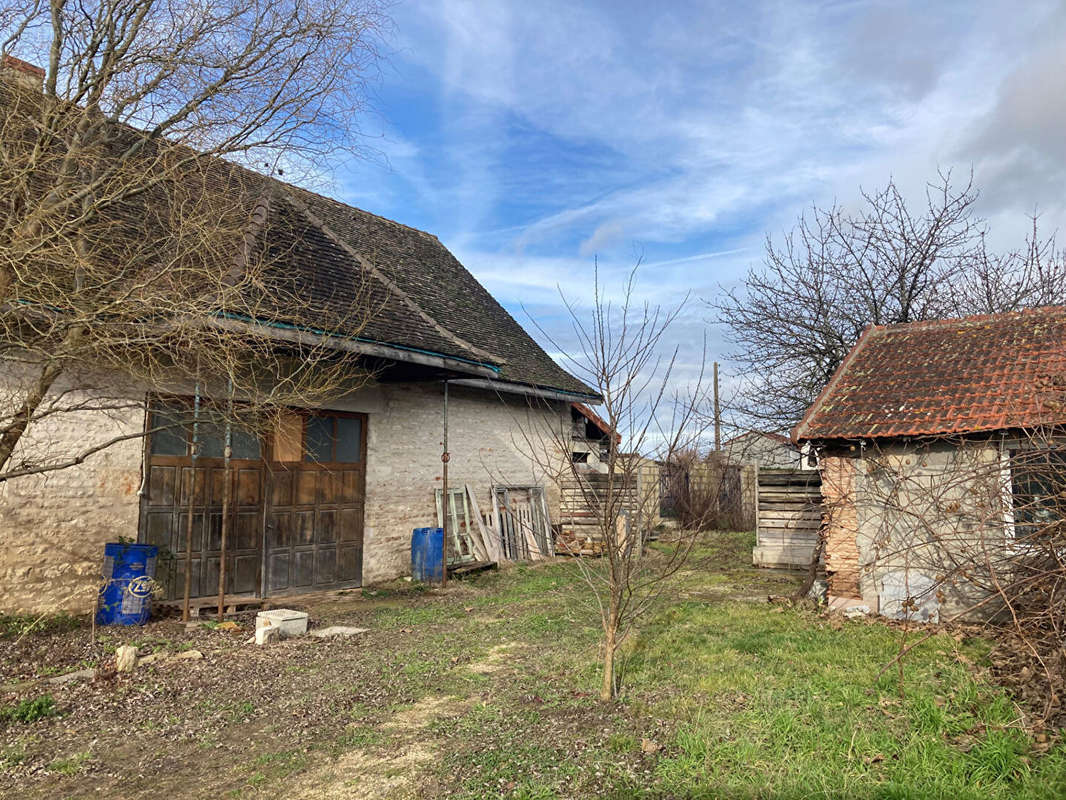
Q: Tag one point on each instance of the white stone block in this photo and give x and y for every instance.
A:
(288, 622)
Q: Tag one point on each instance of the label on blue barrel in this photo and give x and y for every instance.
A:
(136, 595)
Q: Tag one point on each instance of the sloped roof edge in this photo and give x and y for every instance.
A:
(975, 374)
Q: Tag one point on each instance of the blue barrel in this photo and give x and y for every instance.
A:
(427, 547)
(126, 596)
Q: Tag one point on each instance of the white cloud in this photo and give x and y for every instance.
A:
(684, 132)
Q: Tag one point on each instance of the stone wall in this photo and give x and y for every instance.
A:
(493, 439)
(55, 526)
(929, 512)
(912, 515)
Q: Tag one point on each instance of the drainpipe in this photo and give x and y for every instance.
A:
(445, 457)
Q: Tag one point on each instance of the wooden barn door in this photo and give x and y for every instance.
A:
(180, 485)
(314, 529)
(295, 519)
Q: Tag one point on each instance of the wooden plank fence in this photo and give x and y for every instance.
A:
(789, 517)
(581, 506)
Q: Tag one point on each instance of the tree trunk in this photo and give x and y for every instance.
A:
(610, 645)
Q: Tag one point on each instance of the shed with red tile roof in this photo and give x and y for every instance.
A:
(983, 373)
(918, 435)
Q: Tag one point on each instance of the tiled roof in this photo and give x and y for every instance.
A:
(339, 259)
(427, 299)
(984, 373)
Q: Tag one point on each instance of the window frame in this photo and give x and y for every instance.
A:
(308, 414)
(170, 402)
(1013, 455)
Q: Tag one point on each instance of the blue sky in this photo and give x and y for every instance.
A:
(535, 137)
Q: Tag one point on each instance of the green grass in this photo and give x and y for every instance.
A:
(269, 768)
(71, 765)
(740, 700)
(723, 696)
(12, 755)
(30, 709)
(781, 704)
(14, 626)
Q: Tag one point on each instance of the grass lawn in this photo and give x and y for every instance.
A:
(488, 689)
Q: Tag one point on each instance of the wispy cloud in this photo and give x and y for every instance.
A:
(534, 137)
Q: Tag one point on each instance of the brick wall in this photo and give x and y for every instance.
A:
(54, 527)
(841, 526)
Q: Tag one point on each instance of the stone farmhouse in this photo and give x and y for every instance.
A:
(327, 500)
(928, 437)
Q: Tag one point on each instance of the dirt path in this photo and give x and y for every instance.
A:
(389, 771)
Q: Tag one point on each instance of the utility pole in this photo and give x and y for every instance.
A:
(717, 413)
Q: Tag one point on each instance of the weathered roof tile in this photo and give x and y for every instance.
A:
(982, 373)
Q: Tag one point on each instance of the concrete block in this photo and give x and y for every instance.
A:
(288, 622)
(125, 658)
(337, 630)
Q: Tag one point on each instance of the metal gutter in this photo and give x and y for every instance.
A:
(525, 389)
(352, 344)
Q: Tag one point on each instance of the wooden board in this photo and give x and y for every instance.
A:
(789, 517)
(490, 538)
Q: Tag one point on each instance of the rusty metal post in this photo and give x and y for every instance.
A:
(445, 457)
(227, 495)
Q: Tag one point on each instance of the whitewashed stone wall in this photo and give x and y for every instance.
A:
(914, 512)
(54, 527)
(492, 439)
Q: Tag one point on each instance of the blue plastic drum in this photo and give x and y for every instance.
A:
(129, 573)
(427, 549)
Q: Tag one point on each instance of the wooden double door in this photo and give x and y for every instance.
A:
(293, 527)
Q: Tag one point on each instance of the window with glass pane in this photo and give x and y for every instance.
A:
(210, 437)
(318, 439)
(172, 435)
(1038, 484)
(349, 439)
(244, 443)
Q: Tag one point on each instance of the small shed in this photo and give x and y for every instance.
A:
(767, 449)
(926, 438)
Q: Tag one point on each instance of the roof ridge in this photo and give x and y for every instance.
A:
(783, 438)
(390, 285)
(349, 208)
(947, 322)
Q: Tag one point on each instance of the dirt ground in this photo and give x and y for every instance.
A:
(485, 689)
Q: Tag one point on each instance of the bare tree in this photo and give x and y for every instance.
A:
(623, 351)
(797, 315)
(133, 243)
